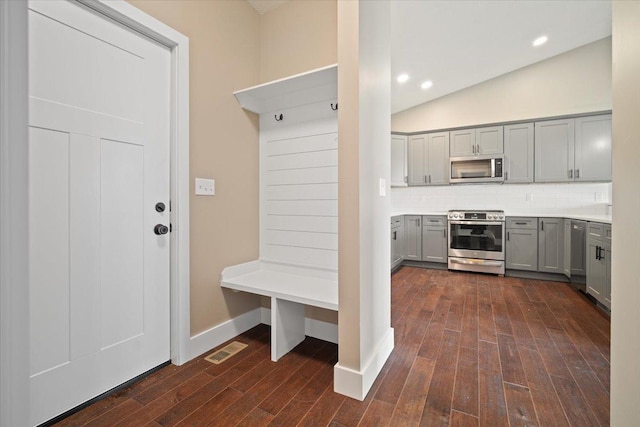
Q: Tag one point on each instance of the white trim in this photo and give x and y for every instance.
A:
(14, 272)
(325, 331)
(213, 337)
(123, 12)
(356, 384)
(14, 304)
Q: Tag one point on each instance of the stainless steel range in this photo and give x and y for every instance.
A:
(476, 241)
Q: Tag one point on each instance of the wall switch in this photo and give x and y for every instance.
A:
(528, 197)
(383, 187)
(205, 187)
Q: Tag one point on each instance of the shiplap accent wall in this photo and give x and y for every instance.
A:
(299, 187)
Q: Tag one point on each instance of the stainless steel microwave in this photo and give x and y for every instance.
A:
(476, 169)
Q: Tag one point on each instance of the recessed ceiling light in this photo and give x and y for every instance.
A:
(403, 78)
(540, 41)
(427, 84)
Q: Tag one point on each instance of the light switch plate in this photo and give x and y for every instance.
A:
(383, 187)
(205, 187)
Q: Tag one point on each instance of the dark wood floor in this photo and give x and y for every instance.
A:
(470, 350)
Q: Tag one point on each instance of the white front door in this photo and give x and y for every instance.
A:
(98, 164)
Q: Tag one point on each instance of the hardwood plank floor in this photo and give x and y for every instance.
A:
(470, 350)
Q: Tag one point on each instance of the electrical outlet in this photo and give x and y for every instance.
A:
(205, 187)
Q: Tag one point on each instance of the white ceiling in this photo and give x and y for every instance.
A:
(457, 44)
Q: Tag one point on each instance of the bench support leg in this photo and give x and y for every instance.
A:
(287, 326)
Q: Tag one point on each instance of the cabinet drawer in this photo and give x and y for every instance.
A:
(607, 232)
(396, 221)
(434, 221)
(595, 229)
(522, 222)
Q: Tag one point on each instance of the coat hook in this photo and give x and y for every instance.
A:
(336, 108)
(279, 118)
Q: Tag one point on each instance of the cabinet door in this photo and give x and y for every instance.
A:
(596, 270)
(522, 249)
(438, 163)
(413, 237)
(490, 140)
(401, 245)
(417, 154)
(554, 145)
(434, 244)
(593, 148)
(567, 248)
(518, 153)
(463, 142)
(578, 247)
(399, 176)
(551, 245)
(393, 247)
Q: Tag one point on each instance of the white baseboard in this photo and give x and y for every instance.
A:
(356, 384)
(205, 341)
(325, 331)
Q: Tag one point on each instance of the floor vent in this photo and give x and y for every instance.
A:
(225, 352)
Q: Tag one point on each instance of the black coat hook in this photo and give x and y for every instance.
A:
(279, 117)
(336, 108)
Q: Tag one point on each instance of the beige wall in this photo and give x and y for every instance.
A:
(296, 37)
(625, 286)
(224, 42)
(577, 81)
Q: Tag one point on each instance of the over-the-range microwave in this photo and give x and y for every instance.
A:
(476, 169)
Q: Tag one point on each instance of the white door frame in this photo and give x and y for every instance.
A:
(14, 292)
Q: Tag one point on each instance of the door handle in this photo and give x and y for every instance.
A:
(160, 229)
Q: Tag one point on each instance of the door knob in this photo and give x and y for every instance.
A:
(160, 229)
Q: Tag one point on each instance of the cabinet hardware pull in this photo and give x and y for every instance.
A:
(429, 179)
(477, 148)
(508, 236)
(597, 252)
(577, 173)
(571, 173)
(506, 176)
(541, 225)
(521, 223)
(425, 179)
(444, 233)
(394, 235)
(473, 149)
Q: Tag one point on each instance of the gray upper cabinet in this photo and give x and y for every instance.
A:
(413, 237)
(518, 153)
(434, 239)
(476, 142)
(399, 176)
(429, 159)
(490, 140)
(462, 143)
(551, 245)
(554, 145)
(522, 244)
(593, 148)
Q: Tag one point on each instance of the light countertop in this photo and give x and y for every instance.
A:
(606, 219)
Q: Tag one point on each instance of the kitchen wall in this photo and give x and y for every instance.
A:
(224, 42)
(514, 199)
(576, 81)
(297, 37)
(625, 280)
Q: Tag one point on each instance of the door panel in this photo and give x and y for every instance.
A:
(593, 148)
(417, 154)
(518, 153)
(554, 145)
(439, 158)
(99, 161)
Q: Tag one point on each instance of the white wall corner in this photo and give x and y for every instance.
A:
(211, 338)
(319, 329)
(356, 384)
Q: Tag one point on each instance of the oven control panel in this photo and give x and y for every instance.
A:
(477, 215)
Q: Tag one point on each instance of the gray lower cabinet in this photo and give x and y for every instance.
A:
(518, 153)
(397, 240)
(599, 264)
(522, 244)
(434, 239)
(567, 248)
(413, 237)
(551, 245)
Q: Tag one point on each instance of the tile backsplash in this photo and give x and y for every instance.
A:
(520, 199)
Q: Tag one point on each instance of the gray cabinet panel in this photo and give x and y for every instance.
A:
(522, 249)
(593, 148)
(567, 247)
(463, 142)
(596, 270)
(397, 240)
(438, 163)
(490, 140)
(399, 176)
(417, 154)
(413, 237)
(578, 247)
(551, 245)
(518, 153)
(607, 289)
(434, 239)
(554, 146)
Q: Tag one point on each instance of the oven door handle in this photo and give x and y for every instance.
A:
(472, 261)
(476, 222)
